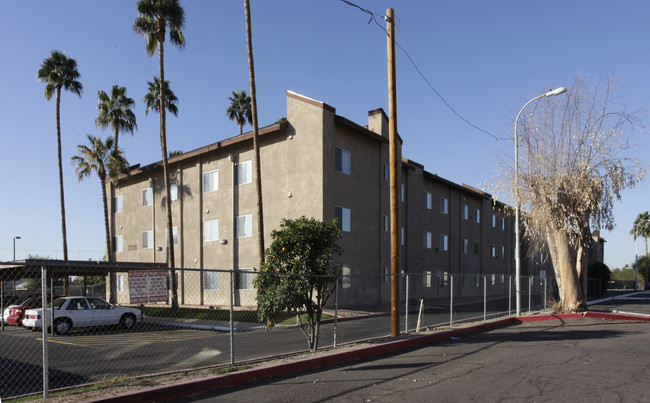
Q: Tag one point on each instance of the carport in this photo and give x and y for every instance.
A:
(51, 269)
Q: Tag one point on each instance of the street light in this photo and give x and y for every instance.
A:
(16, 237)
(636, 255)
(551, 93)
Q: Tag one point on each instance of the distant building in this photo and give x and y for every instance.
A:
(321, 165)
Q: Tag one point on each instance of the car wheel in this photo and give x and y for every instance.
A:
(62, 326)
(128, 320)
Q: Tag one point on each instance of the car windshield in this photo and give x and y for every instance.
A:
(31, 301)
(57, 303)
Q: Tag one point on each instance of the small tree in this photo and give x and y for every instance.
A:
(298, 275)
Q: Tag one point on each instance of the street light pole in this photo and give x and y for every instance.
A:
(551, 93)
(636, 256)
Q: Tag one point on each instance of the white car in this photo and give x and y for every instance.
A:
(76, 312)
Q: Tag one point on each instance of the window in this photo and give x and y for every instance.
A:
(427, 240)
(503, 252)
(211, 280)
(119, 283)
(175, 232)
(117, 204)
(147, 239)
(173, 190)
(210, 181)
(442, 279)
(477, 280)
(465, 245)
(477, 214)
(117, 243)
(494, 221)
(503, 223)
(342, 160)
(245, 279)
(444, 205)
(346, 280)
(386, 274)
(147, 197)
(386, 172)
(428, 201)
(493, 250)
(342, 215)
(210, 230)
(444, 242)
(244, 172)
(403, 193)
(426, 279)
(477, 248)
(402, 236)
(465, 212)
(386, 223)
(244, 226)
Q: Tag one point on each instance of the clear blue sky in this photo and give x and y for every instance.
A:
(485, 58)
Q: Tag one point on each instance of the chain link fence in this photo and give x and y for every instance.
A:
(216, 324)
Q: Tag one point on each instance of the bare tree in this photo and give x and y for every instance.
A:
(576, 156)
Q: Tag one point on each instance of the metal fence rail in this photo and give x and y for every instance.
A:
(218, 323)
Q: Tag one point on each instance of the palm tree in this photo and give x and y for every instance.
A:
(152, 98)
(60, 72)
(154, 17)
(240, 109)
(115, 111)
(641, 227)
(257, 169)
(103, 158)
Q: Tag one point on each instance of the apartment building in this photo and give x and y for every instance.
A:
(320, 165)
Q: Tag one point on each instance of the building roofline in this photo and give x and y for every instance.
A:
(264, 131)
(363, 130)
(311, 101)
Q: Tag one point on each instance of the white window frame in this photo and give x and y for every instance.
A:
(117, 204)
(343, 156)
(211, 181)
(428, 200)
(444, 205)
(246, 278)
(344, 216)
(426, 238)
(210, 230)
(118, 242)
(444, 242)
(426, 279)
(147, 239)
(211, 280)
(119, 283)
(244, 172)
(245, 226)
(146, 197)
(173, 190)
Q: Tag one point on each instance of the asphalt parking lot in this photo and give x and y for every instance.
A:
(559, 359)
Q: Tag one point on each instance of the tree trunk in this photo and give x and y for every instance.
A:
(257, 171)
(66, 284)
(168, 208)
(572, 299)
(112, 290)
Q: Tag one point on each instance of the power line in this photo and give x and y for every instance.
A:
(373, 18)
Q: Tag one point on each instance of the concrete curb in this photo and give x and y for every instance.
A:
(210, 384)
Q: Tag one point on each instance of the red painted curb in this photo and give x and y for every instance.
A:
(617, 316)
(540, 318)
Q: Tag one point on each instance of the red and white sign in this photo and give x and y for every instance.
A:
(147, 286)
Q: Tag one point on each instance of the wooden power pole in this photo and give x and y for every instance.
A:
(394, 163)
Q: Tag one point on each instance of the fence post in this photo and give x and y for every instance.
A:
(509, 295)
(44, 330)
(232, 332)
(336, 305)
(530, 292)
(451, 300)
(545, 293)
(406, 310)
(484, 298)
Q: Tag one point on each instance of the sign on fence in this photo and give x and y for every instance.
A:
(147, 286)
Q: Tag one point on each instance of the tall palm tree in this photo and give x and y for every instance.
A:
(240, 109)
(257, 169)
(60, 72)
(115, 111)
(154, 17)
(104, 159)
(152, 98)
(641, 228)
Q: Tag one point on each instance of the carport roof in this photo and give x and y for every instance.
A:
(31, 268)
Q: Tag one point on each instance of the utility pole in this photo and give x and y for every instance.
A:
(393, 161)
